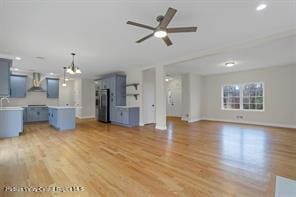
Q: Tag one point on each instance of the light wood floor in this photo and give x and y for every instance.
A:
(198, 159)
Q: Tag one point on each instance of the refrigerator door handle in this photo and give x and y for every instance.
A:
(100, 101)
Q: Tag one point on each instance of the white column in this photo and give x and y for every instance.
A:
(160, 99)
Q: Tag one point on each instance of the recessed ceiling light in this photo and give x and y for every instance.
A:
(51, 73)
(229, 64)
(261, 6)
(67, 79)
(15, 69)
(18, 58)
(160, 34)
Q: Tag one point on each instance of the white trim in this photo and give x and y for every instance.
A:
(193, 120)
(252, 123)
(85, 117)
(160, 128)
(184, 118)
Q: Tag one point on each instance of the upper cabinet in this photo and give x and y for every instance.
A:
(18, 86)
(5, 65)
(52, 88)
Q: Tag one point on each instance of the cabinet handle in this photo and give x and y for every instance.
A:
(121, 113)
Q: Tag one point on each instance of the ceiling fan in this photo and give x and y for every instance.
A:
(162, 30)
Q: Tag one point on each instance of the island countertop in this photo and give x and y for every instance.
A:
(11, 108)
(63, 107)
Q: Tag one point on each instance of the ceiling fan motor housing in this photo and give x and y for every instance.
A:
(159, 18)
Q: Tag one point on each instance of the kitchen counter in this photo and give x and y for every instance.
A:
(11, 108)
(11, 121)
(127, 106)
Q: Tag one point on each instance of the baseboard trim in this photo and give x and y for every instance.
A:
(252, 123)
(193, 120)
(161, 128)
(85, 117)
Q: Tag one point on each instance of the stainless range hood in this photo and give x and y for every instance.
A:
(36, 83)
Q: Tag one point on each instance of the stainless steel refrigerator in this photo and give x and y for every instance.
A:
(102, 105)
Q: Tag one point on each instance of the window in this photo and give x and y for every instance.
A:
(253, 96)
(249, 96)
(231, 97)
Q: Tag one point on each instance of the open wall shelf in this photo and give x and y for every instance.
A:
(134, 95)
(135, 85)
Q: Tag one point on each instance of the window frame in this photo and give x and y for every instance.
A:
(241, 96)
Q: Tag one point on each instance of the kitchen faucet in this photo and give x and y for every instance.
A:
(2, 99)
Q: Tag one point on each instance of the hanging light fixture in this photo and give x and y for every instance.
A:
(64, 82)
(72, 69)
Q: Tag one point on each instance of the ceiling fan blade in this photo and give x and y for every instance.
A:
(145, 38)
(140, 25)
(167, 41)
(181, 29)
(168, 17)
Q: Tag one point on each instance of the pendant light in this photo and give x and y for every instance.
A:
(72, 69)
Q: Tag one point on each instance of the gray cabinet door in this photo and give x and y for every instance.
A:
(52, 88)
(98, 84)
(32, 115)
(5, 65)
(43, 114)
(18, 86)
(120, 91)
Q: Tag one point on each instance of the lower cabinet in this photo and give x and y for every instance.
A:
(126, 116)
(35, 114)
(62, 119)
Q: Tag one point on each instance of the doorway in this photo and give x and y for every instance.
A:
(174, 96)
(149, 96)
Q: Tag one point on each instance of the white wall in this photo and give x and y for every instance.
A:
(280, 96)
(195, 87)
(191, 97)
(135, 76)
(149, 96)
(84, 97)
(185, 96)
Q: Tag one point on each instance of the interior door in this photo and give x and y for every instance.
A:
(149, 96)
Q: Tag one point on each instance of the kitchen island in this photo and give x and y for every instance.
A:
(11, 121)
(62, 117)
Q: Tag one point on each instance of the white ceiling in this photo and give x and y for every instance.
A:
(279, 52)
(97, 31)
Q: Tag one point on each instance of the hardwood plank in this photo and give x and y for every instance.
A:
(198, 159)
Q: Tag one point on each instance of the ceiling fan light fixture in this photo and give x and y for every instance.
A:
(261, 6)
(229, 64)
(160, 34)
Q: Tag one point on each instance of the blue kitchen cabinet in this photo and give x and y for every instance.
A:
(11, 121)
(18, 86)
(127, 116)
(5, 65)
(35, 114)
(62, 118)
(52, 87)
(120, 90)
